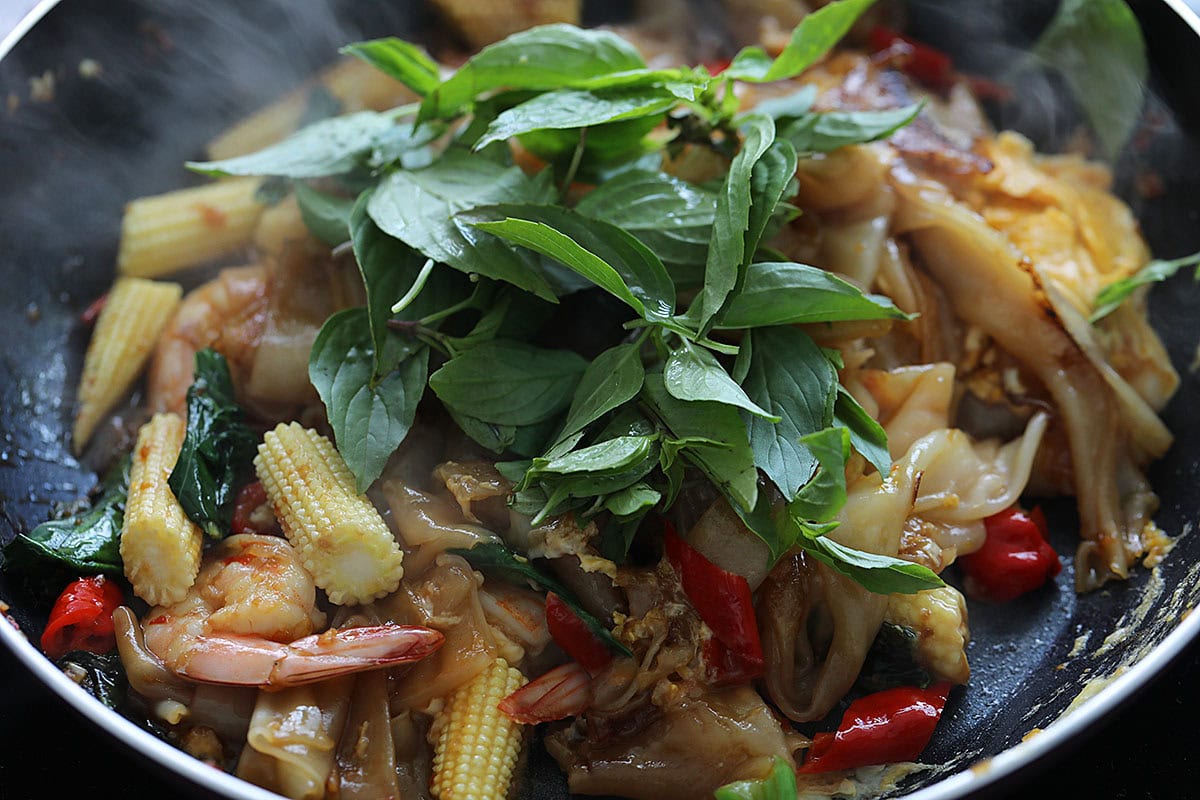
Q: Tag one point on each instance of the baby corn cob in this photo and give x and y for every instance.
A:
(167, 232)
(352, 84)
(159, 544)
(343, 542)
(128, 327)
(478, 746)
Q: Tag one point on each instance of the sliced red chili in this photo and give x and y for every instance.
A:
(81, 618)
(723, 600)
(251, 497)
(89, 314)
(574, 637)
(1015, 557)
(928, 65)
(881, 728)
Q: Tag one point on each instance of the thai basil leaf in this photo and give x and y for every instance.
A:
(769, 520)
(1097, 46)
(779, 785)
(878, 574)
(604, 146)
(718, 443)
(547, 57)
(671, 217)
(790, 376)
(1111, 296)
(371, 411)
(604, 254)
(772, 180)
(406, 145)
(399, 59)
(613, 456)
(86, 543)
(632, 500)
(497, 438)
(100, 675)
(329, 147)
(823, 497)
(493, 558)
(692, 373)
(578, 108)
(727, 255)
(588, 474)
(614, 378)
(812, 38)
(327, 216)
(892, 661)
(866, 435)
(217, 448)
(786, 293)
(509, 383)
(823, 131)
(388, 268)
(790, 106)
(420, 208)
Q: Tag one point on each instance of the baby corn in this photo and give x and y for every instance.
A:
(343, 542)
(159, 544)
(477, 745)
(168, 232)
(128, 327)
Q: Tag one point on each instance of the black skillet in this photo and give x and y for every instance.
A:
(175, 72)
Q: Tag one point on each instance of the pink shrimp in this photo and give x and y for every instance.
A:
(250, 617)
(229, 313)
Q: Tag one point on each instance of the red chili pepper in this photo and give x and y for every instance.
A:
(1014, 559)
(89, 314)
(723, 600)
(881, 728)
(249, 499)
(717, 66)
(927, 64)
(82, 618)
(573, 636)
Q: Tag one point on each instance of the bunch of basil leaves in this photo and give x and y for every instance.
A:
(712, 372)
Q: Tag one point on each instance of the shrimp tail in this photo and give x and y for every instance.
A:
(237, 660)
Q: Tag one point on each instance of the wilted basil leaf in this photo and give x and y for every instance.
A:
(493, 558)
(86, 543)
(217, 449)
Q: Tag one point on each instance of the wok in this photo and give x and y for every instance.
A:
(175, 73)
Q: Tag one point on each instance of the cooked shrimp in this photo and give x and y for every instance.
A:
(250, 618)
(229, 313)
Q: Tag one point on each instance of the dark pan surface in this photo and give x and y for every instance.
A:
(175, 73)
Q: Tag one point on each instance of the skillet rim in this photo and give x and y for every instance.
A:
(1058, 736)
